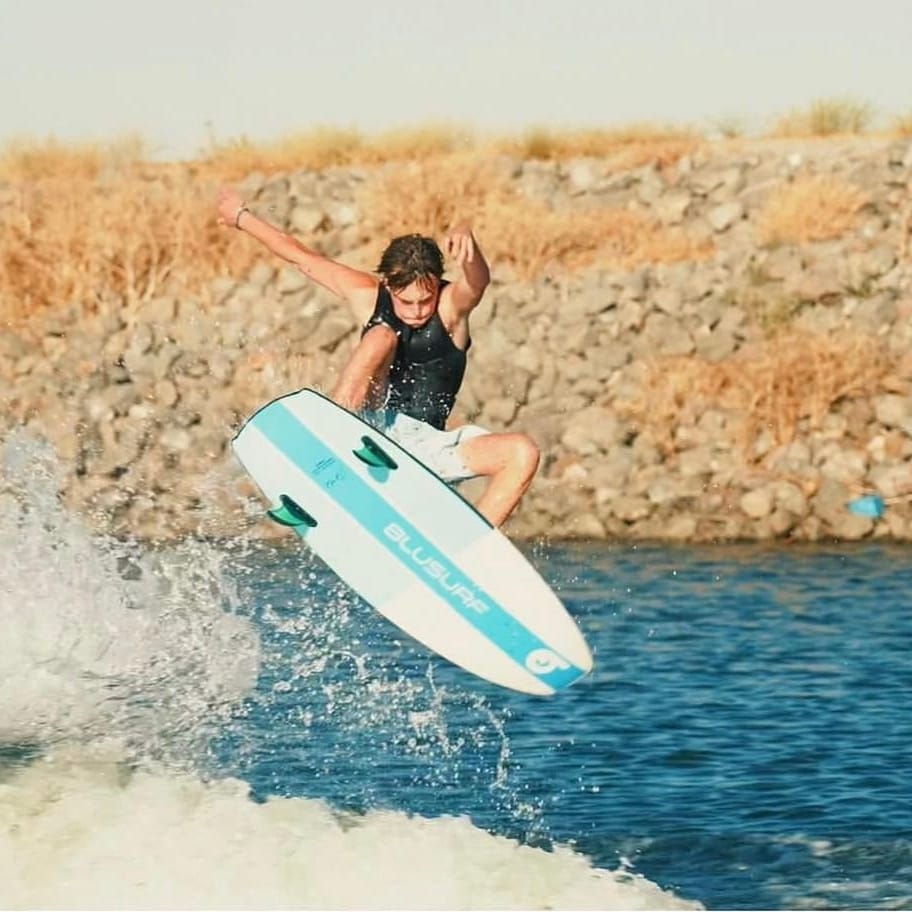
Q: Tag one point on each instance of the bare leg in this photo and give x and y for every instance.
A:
(509, 461)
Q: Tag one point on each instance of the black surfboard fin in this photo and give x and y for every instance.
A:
(291, 514)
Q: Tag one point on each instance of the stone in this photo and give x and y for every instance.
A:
(814, 284)
(715, 345)
(587, 526)
(892, 410)
(671, 208)
(594, 430)
(332, 329)
(176, 439)
(307, 220)
(166, 393)
(680, 528)
(666, 335)
(581, 176)
(630, 509)
(695, 462)
(723, 216)
(498, 412)
(758, 504)
(291, 281)
(790, 497)
(669, 300)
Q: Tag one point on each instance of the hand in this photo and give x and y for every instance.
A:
(229, 205)
(460, 244)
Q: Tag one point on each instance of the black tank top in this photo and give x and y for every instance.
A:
(427, 369)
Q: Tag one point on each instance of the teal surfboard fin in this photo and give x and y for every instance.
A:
(372, 454)
(290, 514)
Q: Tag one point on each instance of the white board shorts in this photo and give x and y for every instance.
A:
(438, 450)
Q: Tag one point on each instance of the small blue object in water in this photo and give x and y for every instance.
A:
(871, 505)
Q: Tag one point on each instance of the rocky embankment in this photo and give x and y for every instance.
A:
(140, 401)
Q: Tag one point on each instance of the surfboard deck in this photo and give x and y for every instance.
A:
(409, 544)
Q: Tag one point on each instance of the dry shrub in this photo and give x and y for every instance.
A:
(627, 147)
(526, 234)
(431, 196)
(29, 159)
(902, 125)
(329, 147)
(826, 117)
(315, 150)
(532, 238)
(83, 224)
(771, 386)
(810, 209)
(421, 143)
(80, 241)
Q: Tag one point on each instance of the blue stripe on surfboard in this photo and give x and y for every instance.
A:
(285, 431)
(463, 526)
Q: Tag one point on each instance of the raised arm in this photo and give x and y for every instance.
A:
(358, 288)
(475, 274)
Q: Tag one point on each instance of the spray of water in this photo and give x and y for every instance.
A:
(104, 639)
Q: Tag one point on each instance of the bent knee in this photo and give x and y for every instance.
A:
(525, 453)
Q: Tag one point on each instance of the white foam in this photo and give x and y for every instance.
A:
(92, 835)
(104, 638)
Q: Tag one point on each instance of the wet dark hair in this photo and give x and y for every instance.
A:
(410, 258)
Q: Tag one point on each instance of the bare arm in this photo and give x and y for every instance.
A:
(358, 288)
(469, 288)
(364, 378)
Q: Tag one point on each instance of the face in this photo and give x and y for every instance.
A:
(415, 304)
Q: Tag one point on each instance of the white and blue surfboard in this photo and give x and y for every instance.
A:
(409, 544)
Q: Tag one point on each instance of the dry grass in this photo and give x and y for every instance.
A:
(515, 230)
(810, 209)
(31, 160)
(902, 125)
(432, 196)
(628, 147)
(79, 241)
(330, 147)
(826, 117)
(532, 239)
(771, 386)
(90, 222)
(109, 228)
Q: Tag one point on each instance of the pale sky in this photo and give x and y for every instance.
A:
(176, 70)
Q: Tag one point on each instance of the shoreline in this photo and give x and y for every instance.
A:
(747, 394)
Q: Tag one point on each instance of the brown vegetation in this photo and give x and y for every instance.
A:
(83, 223)
(330, 147)
(76, 241)
(902, 125)
(630, 147)
(810, 209)
(770, 386)
(526, 234)
(22, 160)
(826, 117)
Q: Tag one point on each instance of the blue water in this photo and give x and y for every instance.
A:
(743, 741)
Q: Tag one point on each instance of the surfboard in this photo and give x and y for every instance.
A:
(409, 544)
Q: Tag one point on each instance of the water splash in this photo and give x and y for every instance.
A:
(105, 639)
